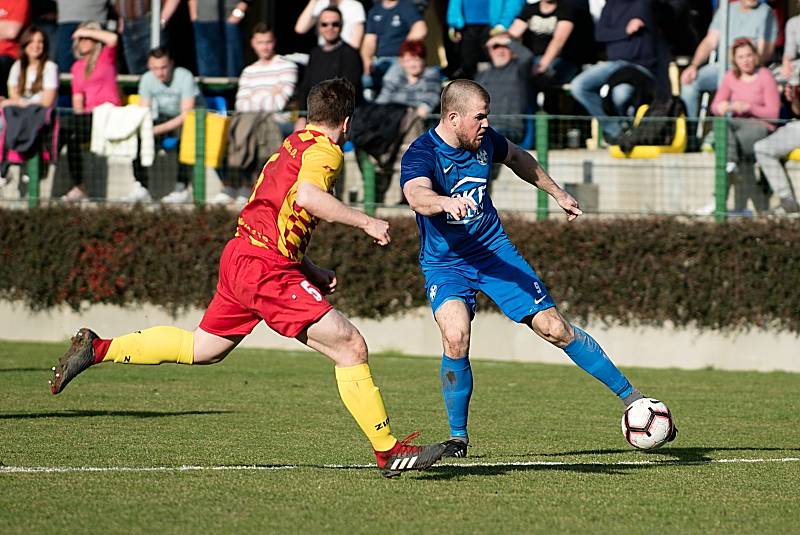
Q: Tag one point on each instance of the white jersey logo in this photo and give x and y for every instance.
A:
(482, 156)
(477, 192)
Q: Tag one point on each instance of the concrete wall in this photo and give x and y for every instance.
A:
(494, 337)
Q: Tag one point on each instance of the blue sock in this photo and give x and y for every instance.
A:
(587, 353)
(456, 376)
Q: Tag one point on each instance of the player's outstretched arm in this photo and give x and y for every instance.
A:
(325, 206)
(528, 169)
(424, 201)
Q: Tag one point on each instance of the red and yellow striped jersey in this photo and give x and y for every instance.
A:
(271, 218)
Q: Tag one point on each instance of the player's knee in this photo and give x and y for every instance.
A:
(354, 348)
(456, 342)
(553, 328)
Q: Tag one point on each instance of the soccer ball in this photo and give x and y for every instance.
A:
(647, 424)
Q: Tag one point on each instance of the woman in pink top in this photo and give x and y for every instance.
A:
(750, 96)
(94, 82)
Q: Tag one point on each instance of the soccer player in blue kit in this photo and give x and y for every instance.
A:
(464, 248)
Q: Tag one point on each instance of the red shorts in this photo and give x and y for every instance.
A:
(260, 284)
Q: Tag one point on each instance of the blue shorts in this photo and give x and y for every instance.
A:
(505, 277)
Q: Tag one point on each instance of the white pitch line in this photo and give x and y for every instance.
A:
(256, 468)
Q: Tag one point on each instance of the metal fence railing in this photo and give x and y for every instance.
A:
(662, 179)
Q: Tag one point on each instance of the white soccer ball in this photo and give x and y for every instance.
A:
(647, 424)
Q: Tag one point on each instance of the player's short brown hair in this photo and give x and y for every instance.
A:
(331, 101)
(457, 94)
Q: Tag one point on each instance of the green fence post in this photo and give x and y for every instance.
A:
(199, 185)
(368, 172)
(33, 182)
(542, 145)
(720, 173)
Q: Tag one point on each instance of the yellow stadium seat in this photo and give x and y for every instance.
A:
(794, 155)
(133, 99)
(216, 138)
(652, 151)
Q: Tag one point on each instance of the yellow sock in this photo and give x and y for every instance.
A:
(363, 399)
(156, 345)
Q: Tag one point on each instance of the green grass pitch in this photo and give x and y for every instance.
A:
(264, 430)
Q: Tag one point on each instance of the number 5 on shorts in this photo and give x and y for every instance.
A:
(310, 289)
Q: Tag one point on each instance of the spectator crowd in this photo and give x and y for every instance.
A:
(601, 58)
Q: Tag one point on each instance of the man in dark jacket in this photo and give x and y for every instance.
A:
(632, 39)
(333, 59)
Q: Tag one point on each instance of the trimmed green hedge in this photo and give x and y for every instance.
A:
(624, 271)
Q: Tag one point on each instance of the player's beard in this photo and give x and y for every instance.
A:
(466, 142)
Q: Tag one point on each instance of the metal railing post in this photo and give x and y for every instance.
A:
(33, 182)
(542, 146)
(199, 183)
(368, 172)
(720, 171)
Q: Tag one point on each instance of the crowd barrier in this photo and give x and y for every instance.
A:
(652, 180)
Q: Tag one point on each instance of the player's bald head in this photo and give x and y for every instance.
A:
(459, 94)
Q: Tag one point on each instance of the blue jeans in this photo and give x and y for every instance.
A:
(586, 90)
(136, 43)
(63, 44)
(707, 77)
(219, 48)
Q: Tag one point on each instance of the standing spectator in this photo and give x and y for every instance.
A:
(770, 150)
(94, 82)
(334, 59)
(33, 78)
(746, 18)
(71, 13)
(218, 36)
(389, 23)
(790, 63)
(747, 93)
(632, 39)
(559, 33)
(353, 18)
(44, 15)
(135, 22)
(13, 15)
(469, 23)
(507, 82)
(265, 87)
(170, 93)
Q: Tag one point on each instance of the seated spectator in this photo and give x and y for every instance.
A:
(94, 82)
(747, 93)
(170, 93)
(333, 59)
(33, 78)
(411, 82)
(389, 23)
(790, 63)
(559, 33)
(71, 13)
(264, 88)
(777, 146)
(469, 24)
(746, 18)
(507, 82)
(13, 15)
(632, 39)
(353, 18)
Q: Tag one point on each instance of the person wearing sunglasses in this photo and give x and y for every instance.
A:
(353, 17)
(333, 59)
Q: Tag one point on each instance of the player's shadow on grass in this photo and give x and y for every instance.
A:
(443, 472)
(93, 414)
(12, 370)
(683, 455)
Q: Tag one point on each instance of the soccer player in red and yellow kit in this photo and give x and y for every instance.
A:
(265, 275)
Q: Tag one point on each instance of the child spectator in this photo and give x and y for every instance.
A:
(94, 82)
(410, 82)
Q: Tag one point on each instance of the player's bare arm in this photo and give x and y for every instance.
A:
(424, 201)
(528, 169)
(325, 206)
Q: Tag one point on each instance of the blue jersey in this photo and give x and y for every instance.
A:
(454, 172)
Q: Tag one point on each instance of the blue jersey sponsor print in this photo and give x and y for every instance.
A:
(456, 172)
